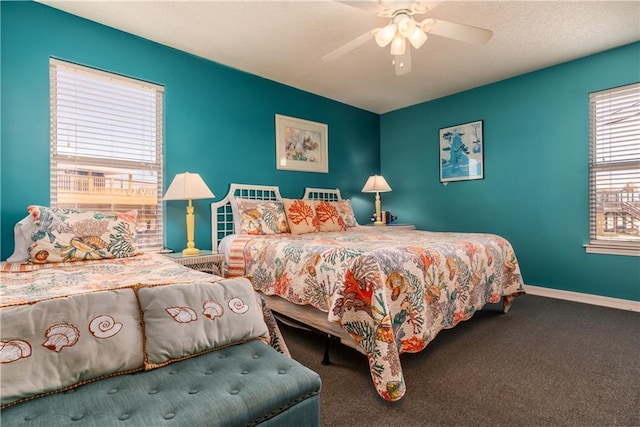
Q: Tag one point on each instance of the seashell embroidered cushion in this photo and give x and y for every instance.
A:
(64, 342)
(74, 235)
(182, 321)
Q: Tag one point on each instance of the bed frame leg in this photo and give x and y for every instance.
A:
(325, 359)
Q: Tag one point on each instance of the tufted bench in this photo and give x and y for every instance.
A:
(243, 384)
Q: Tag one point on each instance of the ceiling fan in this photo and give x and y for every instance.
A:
(405, 30)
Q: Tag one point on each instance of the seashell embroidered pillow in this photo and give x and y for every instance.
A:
(185, 320)
(65, 342)
(75, 235)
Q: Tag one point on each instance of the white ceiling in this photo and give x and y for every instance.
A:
(285, 40)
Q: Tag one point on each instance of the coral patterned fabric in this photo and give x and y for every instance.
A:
(392, 292)
(75, 235)
(344, 206)
(261, 217)
(329, 217)
(301, 215)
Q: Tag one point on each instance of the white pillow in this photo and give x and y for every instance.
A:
(22, 232)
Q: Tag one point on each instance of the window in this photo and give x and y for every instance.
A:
(106, 145)
(614, 171)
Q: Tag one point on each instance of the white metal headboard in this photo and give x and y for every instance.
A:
(222, 215)
(328, 194)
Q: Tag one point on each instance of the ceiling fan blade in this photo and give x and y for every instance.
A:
(455, 31)
(368, 5)
(402, 62)
(420, 7)
(348, 47)
(386, 8)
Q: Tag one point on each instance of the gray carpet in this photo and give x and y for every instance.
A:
(546, 362)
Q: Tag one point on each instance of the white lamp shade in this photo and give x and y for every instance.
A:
(376, 183)
(188, 186)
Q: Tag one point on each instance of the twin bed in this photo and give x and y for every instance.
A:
(382, 293)
(80, 303)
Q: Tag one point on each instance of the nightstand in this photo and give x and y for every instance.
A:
(206, 261)
(392, 227)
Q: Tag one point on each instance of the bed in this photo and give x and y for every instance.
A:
(381, 293)
(84, 304)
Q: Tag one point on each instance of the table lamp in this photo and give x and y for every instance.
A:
(376, 184)
(188, 186)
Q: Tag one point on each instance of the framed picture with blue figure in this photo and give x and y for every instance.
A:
(462, 152)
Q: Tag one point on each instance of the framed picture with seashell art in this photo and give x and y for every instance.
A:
(301, 145)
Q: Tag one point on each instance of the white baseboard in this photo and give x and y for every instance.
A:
(622, 304)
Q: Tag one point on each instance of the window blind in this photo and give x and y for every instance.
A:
(614, 169)
(106, 145)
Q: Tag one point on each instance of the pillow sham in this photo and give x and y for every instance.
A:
(329, 217)
(301, 215)
(260, 217)
(22, 232)
(346, 210)
(185, 320)
(74, 235)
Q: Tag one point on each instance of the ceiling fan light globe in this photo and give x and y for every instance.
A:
(418, 38)
(385, 35)
(406, 25)
(398, 45)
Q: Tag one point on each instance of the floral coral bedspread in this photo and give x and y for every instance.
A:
(62, 279)
(392, 292)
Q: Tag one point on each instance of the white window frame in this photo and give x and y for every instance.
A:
(136, 153)
(609, 130)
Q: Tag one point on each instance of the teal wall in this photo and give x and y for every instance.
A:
(219, 122)
(535, 190)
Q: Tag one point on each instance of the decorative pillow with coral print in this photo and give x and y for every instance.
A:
(75, 235)
(301, 215)
(261, 217)
(329, 218)
(345, 209)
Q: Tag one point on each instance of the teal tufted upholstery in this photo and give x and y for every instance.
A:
(243, 384)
